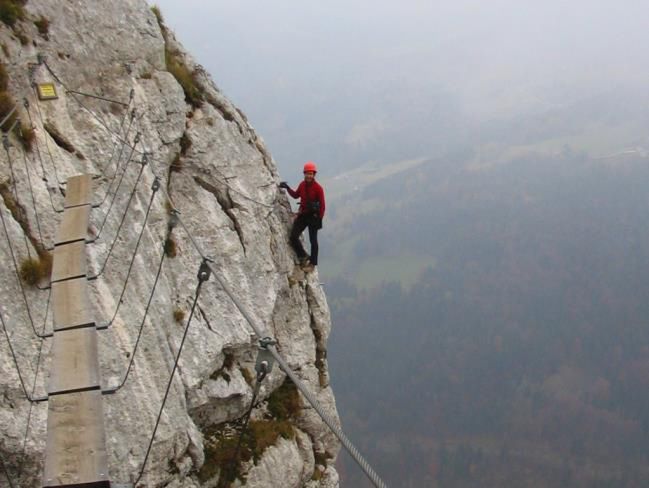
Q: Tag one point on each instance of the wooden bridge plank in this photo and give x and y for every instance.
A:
(75, 452)
(74, 226)
(78, 191)
(70, 304)
(75, 365)
(69, 261)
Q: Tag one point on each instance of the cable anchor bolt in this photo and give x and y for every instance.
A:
(137, 138)
(5, 141)
(265, 360)
(155, 186)
(31, 70)
(204, 271)
(173, 220)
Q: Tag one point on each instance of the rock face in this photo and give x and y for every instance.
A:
(218, 173)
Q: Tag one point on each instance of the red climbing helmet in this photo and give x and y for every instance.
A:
(310, 166)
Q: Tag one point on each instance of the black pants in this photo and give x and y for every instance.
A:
(303, 221)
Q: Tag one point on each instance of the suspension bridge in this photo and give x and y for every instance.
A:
(75, 449)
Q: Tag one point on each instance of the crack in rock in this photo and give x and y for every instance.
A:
(205, 319)
(226, 204)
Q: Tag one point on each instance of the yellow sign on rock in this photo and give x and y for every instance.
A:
(47, 91)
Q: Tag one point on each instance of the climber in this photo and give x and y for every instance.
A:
(310, 214)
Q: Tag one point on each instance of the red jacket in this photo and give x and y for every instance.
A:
(311, 192)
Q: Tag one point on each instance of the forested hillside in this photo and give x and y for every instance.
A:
(520, 355)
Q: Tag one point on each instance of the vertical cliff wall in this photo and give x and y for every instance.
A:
(219, 174)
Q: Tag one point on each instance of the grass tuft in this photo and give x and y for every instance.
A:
(4, 77)
(171, 248)
(285, 403)
(317, 474)
(248, 376)
(187, 78)
(43, 26)
(158, 14)
(34, 270)
(265, 433)
(27, 137)
(185, 143)
(6, 105)
(221, 449)
(11, 11)
(176, 165)
(179, 315)
(20, 215)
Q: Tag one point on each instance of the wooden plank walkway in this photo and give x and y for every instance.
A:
(70, 304)
(75, 453)
(74, 226)
(75, 366)
(76, 441)
(69, 261)
(78, 191)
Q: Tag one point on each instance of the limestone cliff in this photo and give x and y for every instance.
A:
(220, 176)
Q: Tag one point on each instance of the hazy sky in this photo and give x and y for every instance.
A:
(313, 60)
(308, 38)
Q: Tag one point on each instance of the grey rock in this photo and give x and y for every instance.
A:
(226, 190)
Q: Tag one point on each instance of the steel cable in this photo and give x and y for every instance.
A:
(203, 275)
(97, 97)
(112, 201)
(349, 446)
(5, 143)
(8, 116)
(40, 158)
(20, 282)
(115, 389)
(261, 374)
(47, 143)
(15, 359)
(121, 223)
(154, 188)
(365, 466)
(117, 164)
(4, 468)
(338, 432)
(222, 182)
(31, 405)
(121, 126)
(32, 127)
(31, 191)
(81, 104)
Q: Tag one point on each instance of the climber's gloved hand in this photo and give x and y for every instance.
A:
(283, 184)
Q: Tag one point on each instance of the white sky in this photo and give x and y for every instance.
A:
(309, 59)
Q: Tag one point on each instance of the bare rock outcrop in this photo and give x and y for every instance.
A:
(217, 171)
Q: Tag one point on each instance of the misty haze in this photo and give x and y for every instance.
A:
(485, 251)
